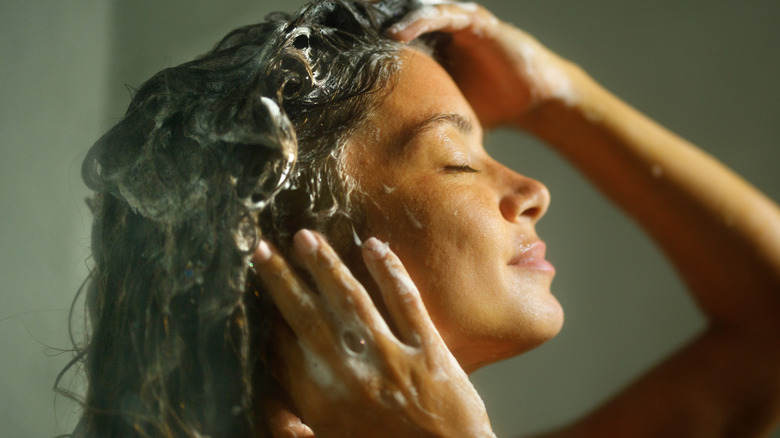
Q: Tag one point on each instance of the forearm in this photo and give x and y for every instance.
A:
(721, 233)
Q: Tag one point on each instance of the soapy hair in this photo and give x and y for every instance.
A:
(245, 140)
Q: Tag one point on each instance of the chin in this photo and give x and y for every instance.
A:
(537, 328)
(546, 325)
(552, 322)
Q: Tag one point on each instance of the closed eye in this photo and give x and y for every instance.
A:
(465, 168)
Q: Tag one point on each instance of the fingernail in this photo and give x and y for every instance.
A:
(305, 241)
(375, 248)
(396, 28)
(262, 252)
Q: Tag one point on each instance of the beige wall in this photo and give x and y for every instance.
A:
(53, 68)
(707, 70)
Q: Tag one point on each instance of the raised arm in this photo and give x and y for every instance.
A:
(722, 235)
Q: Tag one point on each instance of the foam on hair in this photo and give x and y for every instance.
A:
(246, 139)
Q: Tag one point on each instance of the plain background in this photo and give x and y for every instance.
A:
(708, 70)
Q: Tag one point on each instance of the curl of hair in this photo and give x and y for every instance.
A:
(248, 137)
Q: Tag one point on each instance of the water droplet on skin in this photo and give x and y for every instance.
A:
(413, 219)
(399, 397)
(353, 343)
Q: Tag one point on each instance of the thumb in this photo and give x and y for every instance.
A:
(282, 421)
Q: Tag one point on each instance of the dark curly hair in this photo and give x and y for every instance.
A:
(246, 139)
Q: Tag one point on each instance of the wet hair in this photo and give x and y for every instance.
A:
(245, 140)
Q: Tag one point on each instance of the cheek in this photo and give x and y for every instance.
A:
(447, 236)
(441, 228)
(433, 228)
(453, 253)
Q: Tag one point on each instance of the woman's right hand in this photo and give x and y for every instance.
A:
(345, 371)
(502, 71)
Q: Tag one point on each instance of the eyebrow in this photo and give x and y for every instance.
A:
(459, 121)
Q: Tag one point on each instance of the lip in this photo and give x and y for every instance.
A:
(532, 256)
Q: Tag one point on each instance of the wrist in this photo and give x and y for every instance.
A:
(576, 114)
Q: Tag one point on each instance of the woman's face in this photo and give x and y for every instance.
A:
(462, 223)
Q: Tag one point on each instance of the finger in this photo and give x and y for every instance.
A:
(287, 362)
(399, 292)
(338, 288)
(282, 421)
(297, 304)
(440, 16)
(310, 383)
(299, 370)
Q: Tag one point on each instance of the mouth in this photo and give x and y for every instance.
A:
(531, 256)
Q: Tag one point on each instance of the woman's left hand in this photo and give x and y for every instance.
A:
(344, 369)
(502, 71)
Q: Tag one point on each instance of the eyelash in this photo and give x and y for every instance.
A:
(465, 168)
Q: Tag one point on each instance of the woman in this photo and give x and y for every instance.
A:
(720, 233)
(183, 191)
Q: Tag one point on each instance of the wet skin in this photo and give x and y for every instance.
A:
(462, 224)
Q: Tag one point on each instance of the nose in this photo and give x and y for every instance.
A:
(524, 198)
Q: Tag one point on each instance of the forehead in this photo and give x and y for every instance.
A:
(423, 88)
(422, 96)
